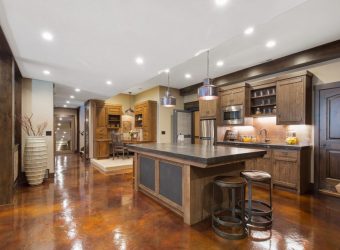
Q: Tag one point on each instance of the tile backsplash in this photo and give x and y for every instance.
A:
(276, 133)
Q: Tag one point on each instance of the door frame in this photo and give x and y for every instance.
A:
(317, 90)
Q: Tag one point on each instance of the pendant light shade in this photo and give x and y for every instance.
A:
(208, 91)
(168, 100)
(130, 111)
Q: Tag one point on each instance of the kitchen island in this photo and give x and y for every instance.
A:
(180, 176)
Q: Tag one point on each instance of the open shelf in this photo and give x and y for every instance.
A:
(138, 120)
(263, 100)
(113, 121)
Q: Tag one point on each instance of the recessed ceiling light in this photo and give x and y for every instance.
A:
(59, 124)
(58, 128)
(67, 102)
(77, 90)
(46, 72)
(108, 82)
(60, 119)
(139, 60)
(271, 44)
(65, 106)
(47, 36)
(72, 96)
(187, 76)
(65, 132)
(219, 63)
(249, 31)
(221, 2)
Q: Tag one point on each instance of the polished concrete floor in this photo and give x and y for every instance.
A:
(85, 209)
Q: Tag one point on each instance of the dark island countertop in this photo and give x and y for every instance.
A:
(206, 155)
(264, 145)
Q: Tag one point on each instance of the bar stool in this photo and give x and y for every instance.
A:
(258, 212)
(229, 222)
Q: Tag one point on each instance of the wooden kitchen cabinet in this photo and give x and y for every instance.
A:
(106, 119)
(294, 99)
(146, 119)
(102, 149)
(235, 94)
(208, 109)
(289, 168)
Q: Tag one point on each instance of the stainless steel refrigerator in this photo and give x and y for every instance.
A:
(208, 132)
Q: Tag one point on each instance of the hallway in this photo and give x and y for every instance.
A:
(85, 209)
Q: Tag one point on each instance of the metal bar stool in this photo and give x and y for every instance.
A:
(259, 213)
(229, 222)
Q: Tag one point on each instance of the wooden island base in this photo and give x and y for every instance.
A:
(183, 186)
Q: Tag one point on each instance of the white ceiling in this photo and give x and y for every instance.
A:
(95, 41)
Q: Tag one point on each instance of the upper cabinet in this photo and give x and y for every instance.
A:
(235, 94)
(294, 99)
(208, 109)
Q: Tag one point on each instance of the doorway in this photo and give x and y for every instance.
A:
(65, 141)
(327, 139)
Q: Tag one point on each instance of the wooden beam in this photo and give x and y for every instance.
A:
(304, 58)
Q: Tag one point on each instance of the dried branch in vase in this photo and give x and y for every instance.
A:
(27, 126)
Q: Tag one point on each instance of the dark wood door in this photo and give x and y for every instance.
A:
(329, 140)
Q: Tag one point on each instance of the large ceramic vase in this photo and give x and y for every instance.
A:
(35, 159)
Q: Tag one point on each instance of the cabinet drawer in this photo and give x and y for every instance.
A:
(289, 155)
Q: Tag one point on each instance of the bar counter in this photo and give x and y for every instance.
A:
(180, 176)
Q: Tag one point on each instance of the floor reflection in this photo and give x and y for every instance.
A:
(83, 209)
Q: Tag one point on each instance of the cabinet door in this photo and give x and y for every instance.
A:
(290, 101)
(102, 149)
(226, 98)
(265, 163)
(285, 172)
(101, 116)
(208, 108)
(251, 164)
(238, 96)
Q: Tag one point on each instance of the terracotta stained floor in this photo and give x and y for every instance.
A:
(84, 209)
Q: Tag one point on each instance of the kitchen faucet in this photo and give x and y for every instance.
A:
(266, 139)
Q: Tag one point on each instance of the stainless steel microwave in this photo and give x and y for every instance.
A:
(232, 115)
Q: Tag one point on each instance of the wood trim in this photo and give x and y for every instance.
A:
(304, 58)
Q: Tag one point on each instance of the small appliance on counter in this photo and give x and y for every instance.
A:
(230, 135)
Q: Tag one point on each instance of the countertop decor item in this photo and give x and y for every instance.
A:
(35, 153)
(208, 91)
(168, 100)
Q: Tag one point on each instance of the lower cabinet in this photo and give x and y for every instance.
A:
(288, 168)
(102, 149)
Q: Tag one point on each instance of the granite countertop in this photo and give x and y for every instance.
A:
(207, 155)
(264, 145)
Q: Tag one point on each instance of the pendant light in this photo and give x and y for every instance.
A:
(208, 91)
(168, 100)
(130, 111)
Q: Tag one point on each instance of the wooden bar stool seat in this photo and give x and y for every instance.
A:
(229, 222)
(258, 212)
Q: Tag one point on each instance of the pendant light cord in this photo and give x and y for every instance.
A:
(208, 63)
(169, 81)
